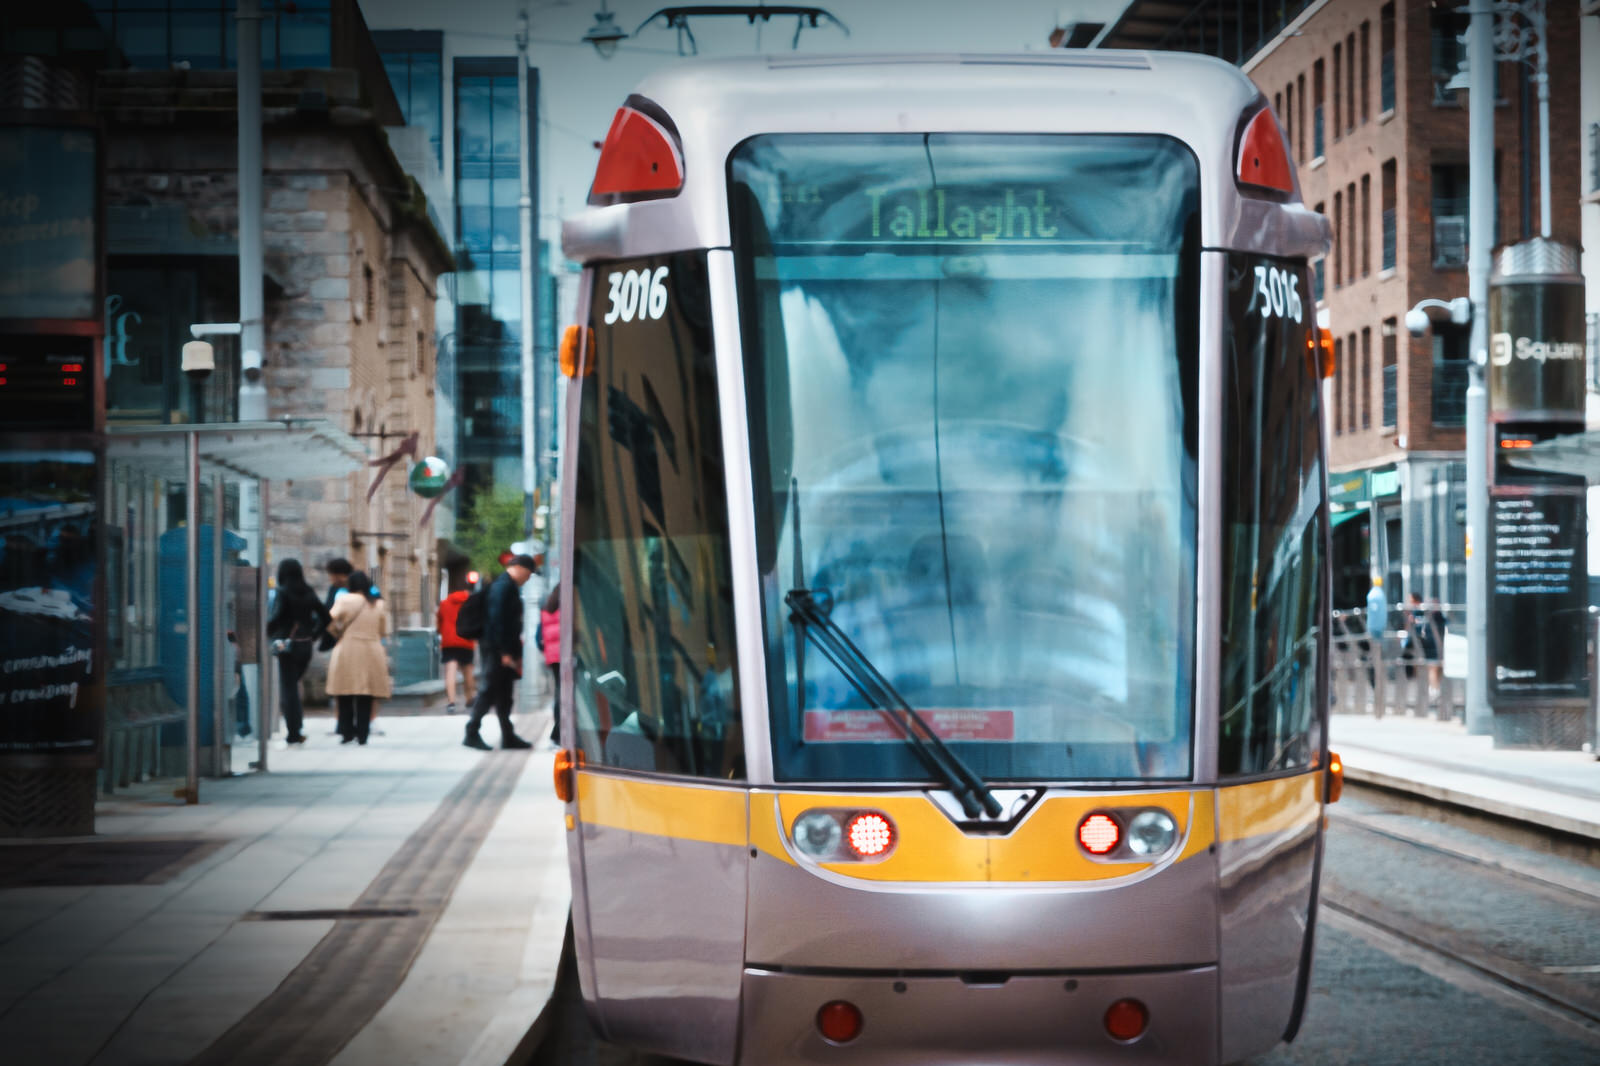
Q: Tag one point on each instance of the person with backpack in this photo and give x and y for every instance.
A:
(454, 649)
(298, 619)
(501, 642)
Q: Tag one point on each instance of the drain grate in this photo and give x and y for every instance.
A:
(337, 914)
(98, 862)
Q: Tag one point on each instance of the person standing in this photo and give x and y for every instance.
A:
(502, 654)
(358, 671)
(454, 649)
(298, 619)
(338, 571)
(1377, 620)
(550, 644)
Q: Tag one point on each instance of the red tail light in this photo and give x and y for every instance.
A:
(1126, 1020)
(1099, 834)
(638, 161)
(839, 1022)
(1263, 159)
(869, 835)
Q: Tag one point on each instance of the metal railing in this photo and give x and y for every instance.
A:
(1400, 674)
(1391, 396)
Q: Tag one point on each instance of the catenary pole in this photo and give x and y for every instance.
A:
(1480, 196)
(252, 333)
(525, 225)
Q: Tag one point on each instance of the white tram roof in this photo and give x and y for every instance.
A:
(717, 104)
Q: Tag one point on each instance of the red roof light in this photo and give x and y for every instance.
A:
(638, 161)
(1263, 159)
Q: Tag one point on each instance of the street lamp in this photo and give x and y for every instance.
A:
(605, 34)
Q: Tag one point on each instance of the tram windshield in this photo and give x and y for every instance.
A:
(971, 364)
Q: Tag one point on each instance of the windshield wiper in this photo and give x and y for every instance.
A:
(812, 620)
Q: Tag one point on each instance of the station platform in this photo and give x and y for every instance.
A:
(1439, 761)
(402, 902)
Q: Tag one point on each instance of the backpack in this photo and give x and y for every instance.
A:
(474, 614)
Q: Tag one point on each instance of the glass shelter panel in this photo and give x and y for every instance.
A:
(1273, 568)
(653, 637)
(971, 372)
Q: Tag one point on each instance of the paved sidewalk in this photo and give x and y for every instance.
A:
(1554, 789)
(237, 929)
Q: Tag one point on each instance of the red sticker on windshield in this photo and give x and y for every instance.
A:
(947, 723)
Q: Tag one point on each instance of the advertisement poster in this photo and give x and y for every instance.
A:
(1538, 597)
(50, 691)
(47, 223)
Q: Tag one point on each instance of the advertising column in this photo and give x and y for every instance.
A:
(52, 661)
(1538, 569)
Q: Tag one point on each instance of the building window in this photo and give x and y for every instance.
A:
(1366, 225)
(1450, 229)
(1447, 26)
(1352, 237)
(1316, 110)
(366, 305)
(1349, 82)
(1319, 279)
(1288, 115)
(488, 193)
(1340, 372)
(1450, 365)
(1391, 372)
(1338, 97)
(1389, 221)
(1366, 377)
(417, 78)
(1353, 380)
(1366, 70)
(1338, 239)
(1386, 58)
(1300, 116)
(156, 34)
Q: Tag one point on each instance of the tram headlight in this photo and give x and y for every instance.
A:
(818, 834)
(1151, 832)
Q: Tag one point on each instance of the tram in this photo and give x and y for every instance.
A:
(945, 557)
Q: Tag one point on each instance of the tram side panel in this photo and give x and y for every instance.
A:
(1272, 696)
(660, 804)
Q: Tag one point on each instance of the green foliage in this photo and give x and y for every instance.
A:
(487, 526)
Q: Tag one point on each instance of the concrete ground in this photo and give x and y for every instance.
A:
(402, 902)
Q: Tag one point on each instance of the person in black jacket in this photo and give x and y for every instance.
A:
(297, 621)
(501, 649)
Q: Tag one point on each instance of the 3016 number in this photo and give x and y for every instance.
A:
(638, 294)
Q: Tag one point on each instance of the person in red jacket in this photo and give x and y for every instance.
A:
(454, 649)
(550, 644)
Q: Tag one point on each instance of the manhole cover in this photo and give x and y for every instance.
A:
(95, 862)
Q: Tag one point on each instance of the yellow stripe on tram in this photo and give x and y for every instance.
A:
(687, 812)
(1263, 808)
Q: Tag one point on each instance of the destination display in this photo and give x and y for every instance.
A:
(1538, 587)
(938, 189)
(51, 691)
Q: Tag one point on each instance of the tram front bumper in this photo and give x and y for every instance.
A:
(992, 1019)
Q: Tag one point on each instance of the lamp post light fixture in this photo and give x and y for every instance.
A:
(605, 34)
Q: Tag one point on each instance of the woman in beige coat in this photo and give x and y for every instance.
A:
(358, 670)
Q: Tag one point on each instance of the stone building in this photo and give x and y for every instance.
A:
(1362, 90)
(352, 260)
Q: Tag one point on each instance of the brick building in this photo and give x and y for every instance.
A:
(352, 264)
(1362, 90)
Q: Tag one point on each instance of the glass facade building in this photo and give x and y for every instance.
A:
(414, 60)
(157, 34)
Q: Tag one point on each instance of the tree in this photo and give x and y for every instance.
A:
(489, 525)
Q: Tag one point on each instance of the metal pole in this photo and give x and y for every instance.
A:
(525, 224)
(1542, 77)
(191, 607)
(221, 678)
(252, 335)
(269, 665)
(1480, 194)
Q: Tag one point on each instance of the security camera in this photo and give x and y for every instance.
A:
(199, 360)
(250, 365)
(1417, 322)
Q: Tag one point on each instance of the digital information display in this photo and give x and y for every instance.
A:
(1538, 596)
(47, 383)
